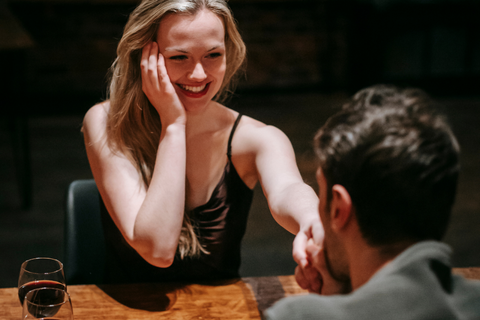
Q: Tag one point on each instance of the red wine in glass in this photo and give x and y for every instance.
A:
(39, 273)
(23, 289)
(46, 302)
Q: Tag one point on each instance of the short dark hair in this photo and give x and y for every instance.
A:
(397, 157)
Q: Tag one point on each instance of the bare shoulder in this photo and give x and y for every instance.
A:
(258, 149)
(95, 119)
(97, 113)
(254, 134)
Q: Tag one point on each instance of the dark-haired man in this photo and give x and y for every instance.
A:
(387, 178)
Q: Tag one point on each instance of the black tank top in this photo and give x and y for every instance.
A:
(221, 225)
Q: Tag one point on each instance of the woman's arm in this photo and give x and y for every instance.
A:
(293, 204)
(149, 219)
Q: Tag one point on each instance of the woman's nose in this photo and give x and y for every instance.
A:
(198, 72)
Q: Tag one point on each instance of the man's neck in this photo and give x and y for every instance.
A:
(366, 260)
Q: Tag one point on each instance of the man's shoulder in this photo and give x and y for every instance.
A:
(409, 288)
(466, 294)
(385, 300)
(311, 306)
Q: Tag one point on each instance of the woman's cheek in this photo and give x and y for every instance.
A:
(221, 69)
(173, 71)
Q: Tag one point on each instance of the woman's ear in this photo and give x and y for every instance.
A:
(341, 209)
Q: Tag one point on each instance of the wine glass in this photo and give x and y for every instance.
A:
(38, 273)
(47, 303)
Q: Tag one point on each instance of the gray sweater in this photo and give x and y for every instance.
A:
(417, 284)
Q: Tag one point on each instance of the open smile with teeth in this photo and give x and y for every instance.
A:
(193, 89)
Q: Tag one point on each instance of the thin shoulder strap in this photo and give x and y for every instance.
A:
(229, 148)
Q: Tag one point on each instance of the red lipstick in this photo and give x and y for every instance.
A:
(195, 94)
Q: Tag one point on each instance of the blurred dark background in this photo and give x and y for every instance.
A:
(304, 59)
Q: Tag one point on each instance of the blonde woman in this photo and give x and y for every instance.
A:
(174, 167)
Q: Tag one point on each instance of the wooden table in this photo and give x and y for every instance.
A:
(244, 298)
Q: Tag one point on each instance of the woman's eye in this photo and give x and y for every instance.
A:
(214, 55)
(178, 58)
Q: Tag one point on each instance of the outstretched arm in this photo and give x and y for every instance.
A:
(150, 218)
(293, 204)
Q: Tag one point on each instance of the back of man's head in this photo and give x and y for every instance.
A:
(398, 159)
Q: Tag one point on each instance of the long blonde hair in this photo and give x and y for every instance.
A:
(133, 124)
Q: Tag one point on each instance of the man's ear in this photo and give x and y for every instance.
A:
(341, 207)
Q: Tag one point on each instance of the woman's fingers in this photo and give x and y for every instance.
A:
(149, 69)
(301, 278)
(145, 54)
(318, 233)
(299, 249)
(157, 86)
(330, 285)
(155, 78)
(153, 62)
(164, 80)
(308, 278)
(144, 65)
(306, 275)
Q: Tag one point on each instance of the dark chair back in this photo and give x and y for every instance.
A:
(84, 259)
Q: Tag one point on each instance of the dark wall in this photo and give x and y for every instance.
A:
(431, 44)
(292, 46)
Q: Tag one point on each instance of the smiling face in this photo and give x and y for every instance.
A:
(195, 55)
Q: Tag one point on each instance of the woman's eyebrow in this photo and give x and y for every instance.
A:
(176, 49)
(186, 51)
(216, 47)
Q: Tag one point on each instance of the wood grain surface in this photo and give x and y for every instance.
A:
(240, 299)
(237, 299)
(469, 273)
